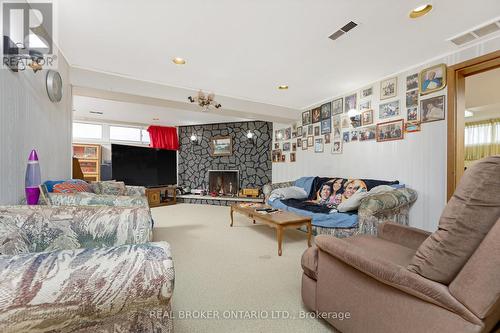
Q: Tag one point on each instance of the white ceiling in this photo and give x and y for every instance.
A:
(244, 49)
(141, 114)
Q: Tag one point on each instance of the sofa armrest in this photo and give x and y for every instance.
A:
(268, 188)
(392, 275)
(402, 235)
(69, 289)
(136, 191)
(49, 228)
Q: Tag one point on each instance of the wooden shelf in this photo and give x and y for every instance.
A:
(89, 157)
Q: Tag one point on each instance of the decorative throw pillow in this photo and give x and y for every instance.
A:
(353, 202)
(113, 188)
(469, 215)
(72, 186)
(292, 192)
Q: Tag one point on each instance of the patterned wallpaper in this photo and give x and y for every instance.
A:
(253, 160)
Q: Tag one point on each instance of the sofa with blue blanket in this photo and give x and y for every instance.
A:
(380, 201)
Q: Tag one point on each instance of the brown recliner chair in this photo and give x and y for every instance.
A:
(405, 281)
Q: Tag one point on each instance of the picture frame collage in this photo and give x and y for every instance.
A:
(352, 118)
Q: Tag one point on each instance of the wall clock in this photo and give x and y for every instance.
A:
(53, 82)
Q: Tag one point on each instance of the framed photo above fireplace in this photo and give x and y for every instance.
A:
(221, 146)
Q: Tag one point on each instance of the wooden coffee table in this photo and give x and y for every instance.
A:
(279, 220)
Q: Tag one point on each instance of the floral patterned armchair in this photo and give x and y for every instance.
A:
(83, 269)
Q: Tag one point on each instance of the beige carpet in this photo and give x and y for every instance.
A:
(233, 271)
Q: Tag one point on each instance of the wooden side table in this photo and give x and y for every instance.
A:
(161, 196)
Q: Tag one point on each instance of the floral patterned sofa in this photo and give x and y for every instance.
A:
(103, 194)
(83, 269)
(393, 206)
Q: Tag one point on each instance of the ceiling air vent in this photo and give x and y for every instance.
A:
(349, 26)
(96, 112)
(476, 34)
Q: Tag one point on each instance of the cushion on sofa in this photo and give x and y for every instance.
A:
(353, 202)
(72, 186)
(306, 183)
(292, 192)
(467, 218)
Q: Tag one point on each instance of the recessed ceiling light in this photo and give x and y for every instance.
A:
(283, 87)
(156, 119)
(179, 61)
(420, 11)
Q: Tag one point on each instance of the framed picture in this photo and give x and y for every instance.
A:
(412, 82)
(412, 126)
(411, 98)
(432, 79)
(294, 146)
(299, 143)
(337, 127)
(326, 111)
(292, 157)
(299, 131)
(276, 145)
(356, 121)
(353, 135)
(286, 146)
(366, 92)
(366, 105)
(388, 110)
(391, 130)
(221, 146)
(346, 122)
(316, 115)
(367, 118)
(389, 88)
(306, 117)
(316, 130)
(367, 133)
(337, 106)
(346, 137)
(276, 155)
(310, 141)
(310, 130)
(304, 144)
(350, 102)
(327, 138)
(280, 135)
(337, 147)
(326, 126)
(412, 114)
(318, 145)
(288, 133)
(294, 134)
(283, 158)
(432, 109)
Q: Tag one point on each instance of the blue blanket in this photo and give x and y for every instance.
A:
(334, 220)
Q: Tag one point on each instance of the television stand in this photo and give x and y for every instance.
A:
(161, 196)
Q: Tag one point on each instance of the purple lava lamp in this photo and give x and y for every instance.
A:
(33, 179)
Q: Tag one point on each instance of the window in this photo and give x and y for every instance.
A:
(87, 131)
(482, 139)
(125, 133)
(145, 136)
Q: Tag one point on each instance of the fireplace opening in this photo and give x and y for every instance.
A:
(223, 182)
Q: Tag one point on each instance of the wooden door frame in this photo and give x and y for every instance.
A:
(456, 75)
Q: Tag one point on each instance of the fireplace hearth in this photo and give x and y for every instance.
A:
(223, 182)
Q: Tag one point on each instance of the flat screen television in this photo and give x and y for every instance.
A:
(143, 166)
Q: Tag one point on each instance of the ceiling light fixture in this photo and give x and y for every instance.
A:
(283, 87)
(179, 61)
(420, 11)
(205, 101)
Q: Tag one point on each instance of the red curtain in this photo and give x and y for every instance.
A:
(163, 137)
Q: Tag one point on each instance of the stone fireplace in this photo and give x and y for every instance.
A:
(225, 182)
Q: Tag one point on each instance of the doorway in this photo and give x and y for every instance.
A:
(470, 89)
